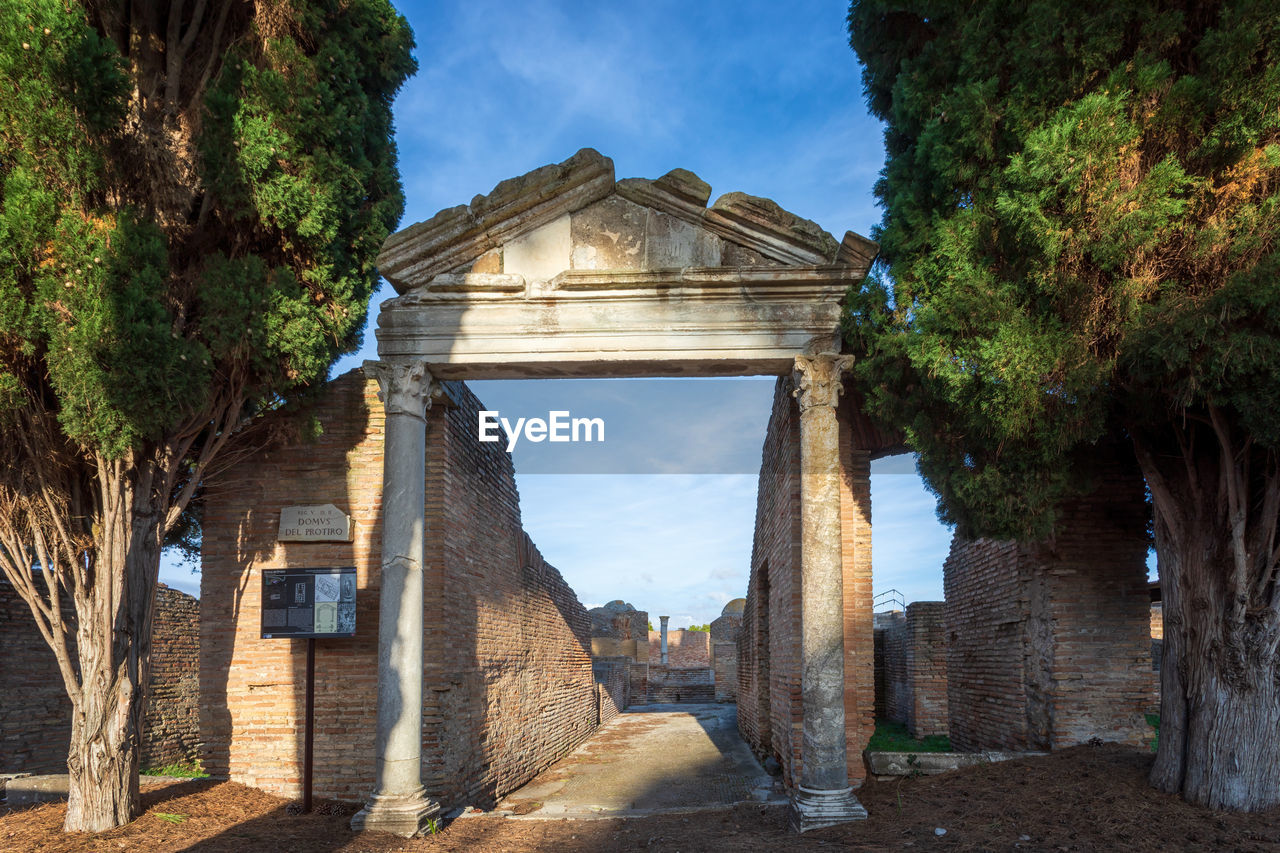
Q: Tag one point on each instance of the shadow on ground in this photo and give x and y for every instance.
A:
(650, 759)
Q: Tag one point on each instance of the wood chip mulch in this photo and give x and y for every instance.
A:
(1081, 799)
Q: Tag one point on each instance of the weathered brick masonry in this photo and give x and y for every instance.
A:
(508, 684)
(680, 684)
(612, 676)
(172, 722)
(725, 632)
(769, 707)
(684, 648)
(897, 686)
(913, 662)
(1049, 644)
(35, 713)
(926, 668)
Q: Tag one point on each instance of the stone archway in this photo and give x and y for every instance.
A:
(565, 272)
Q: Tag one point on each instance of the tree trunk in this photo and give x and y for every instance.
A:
(1220, 676)
(103, 761)
(114, 651)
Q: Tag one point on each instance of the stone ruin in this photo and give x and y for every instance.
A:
(567, 271)
(664, 666)
(35, 713)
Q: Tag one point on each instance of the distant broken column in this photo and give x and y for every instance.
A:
(823, 796)
(664, 619)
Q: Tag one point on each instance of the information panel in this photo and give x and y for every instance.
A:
(309, 602)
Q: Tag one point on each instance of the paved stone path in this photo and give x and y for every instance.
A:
(651, 759)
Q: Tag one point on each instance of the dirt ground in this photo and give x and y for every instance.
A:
(1086, 798)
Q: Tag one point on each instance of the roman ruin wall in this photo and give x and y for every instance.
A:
(725, 632)
(769, 707)
(35, 713)
(507, 681)
(1049, 644)
(685, 649)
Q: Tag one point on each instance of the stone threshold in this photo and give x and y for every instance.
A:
(769, 800)
(883, 766)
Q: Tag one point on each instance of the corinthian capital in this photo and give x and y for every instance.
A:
(818, 379)
(405, 388)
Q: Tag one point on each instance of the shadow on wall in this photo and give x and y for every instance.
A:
(509, 687)
(253, 689)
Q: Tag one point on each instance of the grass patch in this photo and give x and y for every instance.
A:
(179, 770)
(1153, 720)
(893, 737)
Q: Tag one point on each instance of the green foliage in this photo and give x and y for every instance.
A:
(179, 770)
(893, 737)
(130, 306)
(1079, 236)
(706, 628)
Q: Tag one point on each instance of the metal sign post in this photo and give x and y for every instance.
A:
(306, 604)
(308, 725)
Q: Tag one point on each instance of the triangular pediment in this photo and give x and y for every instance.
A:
(574, 216)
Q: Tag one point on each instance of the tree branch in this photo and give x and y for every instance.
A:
(1236, 504)
(222, 429)
(173, 55)
(1162, 496)
(215, 50)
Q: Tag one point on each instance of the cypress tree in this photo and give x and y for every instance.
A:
(192, 196)
(1081, 209)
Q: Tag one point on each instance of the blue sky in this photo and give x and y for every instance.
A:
(759, 97)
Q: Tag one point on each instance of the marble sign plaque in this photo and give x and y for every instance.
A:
(323, 523)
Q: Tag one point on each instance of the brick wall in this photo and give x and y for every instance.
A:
(684, 648)
(681, 684)
(638, 688)
(857, 445)
(897, 684)
(769, 706)
(172, 722)
(926, 666)
(769, 711)
(724, 655)
(1049, 643)
(35, 713)
(612, 677)
(986, 621)
(508, 684)
(882, 688)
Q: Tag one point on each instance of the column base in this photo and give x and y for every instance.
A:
(811, 809)
(405, 815)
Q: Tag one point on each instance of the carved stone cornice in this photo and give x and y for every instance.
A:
(404, 387)
(818, 379)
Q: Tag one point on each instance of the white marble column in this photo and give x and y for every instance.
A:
(663, 620)
(399, 803)
(823, 796)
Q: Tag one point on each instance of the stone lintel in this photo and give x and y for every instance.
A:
(749, 282)
(695, 322)
(458, 235)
